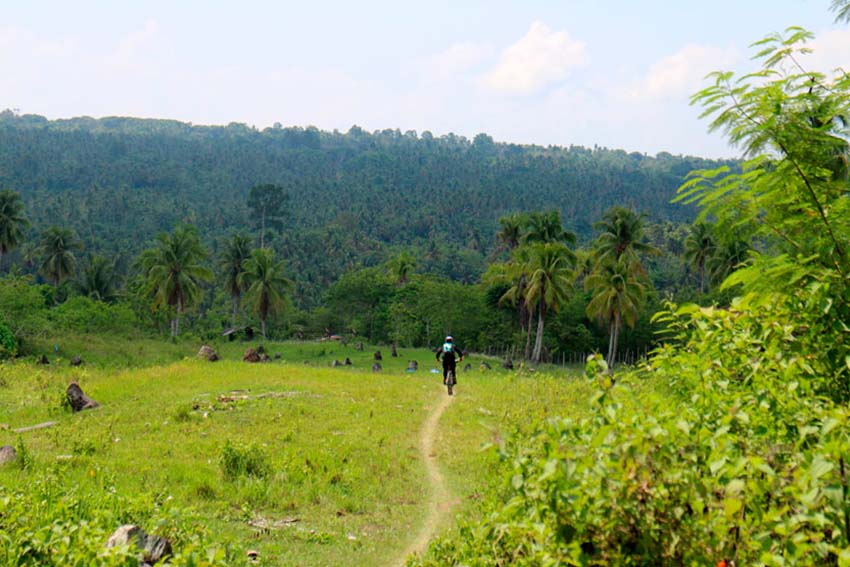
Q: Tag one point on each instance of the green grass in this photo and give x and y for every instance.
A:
(340, 445)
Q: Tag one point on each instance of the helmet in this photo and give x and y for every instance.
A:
(449, 339)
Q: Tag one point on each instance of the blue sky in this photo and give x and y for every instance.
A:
(616, 74)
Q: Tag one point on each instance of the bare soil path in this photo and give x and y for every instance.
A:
(440, 502)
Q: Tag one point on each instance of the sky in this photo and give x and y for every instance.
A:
(617, 74)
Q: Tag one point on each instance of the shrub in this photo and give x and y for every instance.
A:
(8, 342)
(250, 461)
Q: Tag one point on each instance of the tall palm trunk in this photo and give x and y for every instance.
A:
(263, 326)
(176, 330)
(701, 277)
(1, 259)
(235, 310)
(610, 357)
(538, 342)
(615, 339)
(527, 353)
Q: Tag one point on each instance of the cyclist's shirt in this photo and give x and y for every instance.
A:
(448, 351)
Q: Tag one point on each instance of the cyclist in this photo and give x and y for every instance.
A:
(448, 352)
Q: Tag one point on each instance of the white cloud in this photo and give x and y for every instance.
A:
(831, 50)
(540, 59)
(457, 59)
(683, 73)
(133, 45)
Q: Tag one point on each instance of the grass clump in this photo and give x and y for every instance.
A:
(250, 461)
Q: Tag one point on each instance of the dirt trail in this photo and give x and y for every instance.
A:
(440, 501)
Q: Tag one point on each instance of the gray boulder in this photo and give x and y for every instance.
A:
(152, 549)
(7, 454)
(376, 367)
(208, 353)
(76, 361)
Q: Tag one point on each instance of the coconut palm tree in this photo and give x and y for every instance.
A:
(550, 280)
(621, 235)
(617, 296)
(400, 267)
(699, 247)
(728, 255)
(265, 284)
(12, 222)
(515, 274)
(173, 271)
(511, 232)
(236, 252)
(546, 227)
(97, 279)
(57, 250)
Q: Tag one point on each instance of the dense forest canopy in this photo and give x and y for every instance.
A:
(353, 197)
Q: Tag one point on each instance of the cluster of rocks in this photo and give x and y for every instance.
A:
(256, 355)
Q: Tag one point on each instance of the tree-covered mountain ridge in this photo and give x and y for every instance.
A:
(119, 181)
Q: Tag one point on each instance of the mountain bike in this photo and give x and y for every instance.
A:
(450, 381)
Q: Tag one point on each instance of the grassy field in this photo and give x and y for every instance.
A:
(343, 480)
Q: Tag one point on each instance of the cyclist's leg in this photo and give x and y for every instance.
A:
(453, 368)
(445, 369)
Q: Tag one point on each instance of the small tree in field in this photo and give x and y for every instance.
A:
(265, 285)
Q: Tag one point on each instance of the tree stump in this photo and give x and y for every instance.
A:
(77, 399)
(336, 363)
(413, 365)
(7, 454)
(360, 346)
(153, 549)
(508, 364)
(43, 359)
(376, 367)
(208, 353)
(378, 355)
(394, 352)
(347, 361)
(76, 361)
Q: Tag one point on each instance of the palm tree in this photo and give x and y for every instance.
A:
(236, 252)
(699, 247)
(616, 296)
(726, 258)
(401, 266)
(515, 273)
(511, 233)
(265, 284)
(173, 271)
(57, 248)
(12, 222)
(98, 279)
(550, 280)
(546, 227)
(621, 235)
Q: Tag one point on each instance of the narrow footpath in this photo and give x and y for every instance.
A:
(440, 501)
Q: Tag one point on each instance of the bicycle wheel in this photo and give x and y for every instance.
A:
(450, 381)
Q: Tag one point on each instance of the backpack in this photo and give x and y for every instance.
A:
(448, 347)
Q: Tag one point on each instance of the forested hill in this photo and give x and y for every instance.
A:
(119, 181)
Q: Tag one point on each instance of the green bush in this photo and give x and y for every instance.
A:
(86, 315)
(8, 342)
(249, 461)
